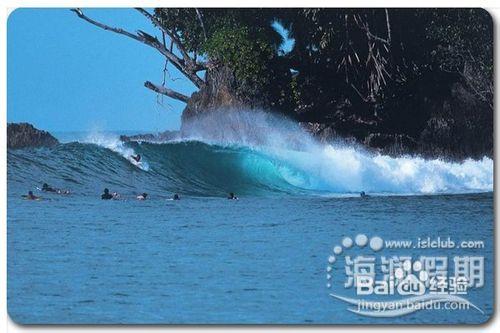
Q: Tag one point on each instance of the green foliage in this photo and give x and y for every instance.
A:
(247, 54)
(185, 23)
(459, 34)
(242, 39)
(362, 55)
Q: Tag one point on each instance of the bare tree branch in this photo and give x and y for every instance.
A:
(192, 63)
(366, 28)
(200, 18)
(142, 37)
(150, 41)
(166, 91)
(388, 24)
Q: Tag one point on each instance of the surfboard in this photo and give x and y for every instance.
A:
(25, 197)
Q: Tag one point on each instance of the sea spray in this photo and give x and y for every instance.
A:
(249, 153)
(336, 168)
(201, 169)
(113, 143)
(348, 170)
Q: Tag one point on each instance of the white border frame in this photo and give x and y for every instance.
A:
(9, 5)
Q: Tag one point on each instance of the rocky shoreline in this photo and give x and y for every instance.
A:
(25, 135)
(151, 137)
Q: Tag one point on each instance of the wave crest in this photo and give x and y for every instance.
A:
(251, 153)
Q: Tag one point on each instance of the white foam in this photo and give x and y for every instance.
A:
(113, 143)
(334, 167)
(339, 169)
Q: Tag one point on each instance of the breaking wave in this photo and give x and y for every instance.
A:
(250, 153)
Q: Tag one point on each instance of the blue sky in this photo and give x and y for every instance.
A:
(64, 74)
(67, 75)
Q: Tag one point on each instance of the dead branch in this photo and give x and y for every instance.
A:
(166, 91)
(151, 41)
(388, 25)
(193, 65)
(200, 18)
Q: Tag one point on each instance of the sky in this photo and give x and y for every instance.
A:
(64, 74)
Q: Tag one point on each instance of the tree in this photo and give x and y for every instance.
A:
(185, 64)
(365, 52)
(202, 43)
(463, 44)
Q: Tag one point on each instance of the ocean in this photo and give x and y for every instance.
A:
(204, 259)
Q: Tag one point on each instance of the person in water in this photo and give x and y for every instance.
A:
(31, 196)
(142, 196)
(363, 194)
(47, 188)
(232, 196)
(176, 197)
(136, 158)
(106, 195)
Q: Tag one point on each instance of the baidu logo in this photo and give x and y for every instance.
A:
(396, 285)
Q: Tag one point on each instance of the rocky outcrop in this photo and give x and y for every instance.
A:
(223, 91)
(156, 137)
(433, 117)
(220, 92)
(24, 135)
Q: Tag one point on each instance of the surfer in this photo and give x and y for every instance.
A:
(142, 196)
(232, 196)
(176, 197)
(106, 195)
(47, 188)
(31, 196)
(136, 158)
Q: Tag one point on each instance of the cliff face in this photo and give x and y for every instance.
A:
(24, 135)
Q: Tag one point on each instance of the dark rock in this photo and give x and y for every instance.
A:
(220, 92)
(24, 135)
(158, 137)
(323, 132)
(433, 116)
(223, 91)
(391, 144)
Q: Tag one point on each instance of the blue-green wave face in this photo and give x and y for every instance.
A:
(193, 168)
(246, 153)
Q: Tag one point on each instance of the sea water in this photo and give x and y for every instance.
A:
(205, 259)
